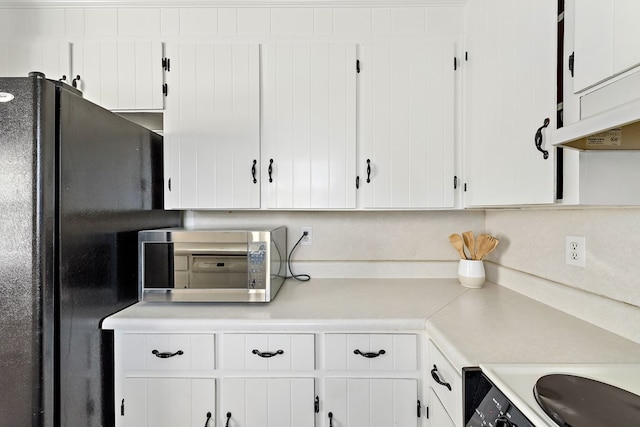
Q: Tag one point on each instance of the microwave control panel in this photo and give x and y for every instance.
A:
(257, 276)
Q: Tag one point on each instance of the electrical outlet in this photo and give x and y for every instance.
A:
(575, 251)
(308, 239)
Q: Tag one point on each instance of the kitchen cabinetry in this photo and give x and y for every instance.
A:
(19, 58)
(445, 389)
(408, 146)
(309, 125)
(164, 379)
(268, 379)
(607, 40)
(120, 75)
(371, 380)
(510, 79)
(212, 126)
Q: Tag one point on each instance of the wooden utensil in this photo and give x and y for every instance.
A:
(486, 245)
(458, 244)
(470, 243)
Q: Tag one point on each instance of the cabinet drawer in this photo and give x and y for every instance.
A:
(371, 352)
(269, 352)
(168, 351)
(446, 382)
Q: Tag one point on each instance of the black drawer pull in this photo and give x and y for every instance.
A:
(167, 355)
(267, 353)
(436, 378)
(370, 355)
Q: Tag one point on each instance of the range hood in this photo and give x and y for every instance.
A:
(609, 118)
(615, 129)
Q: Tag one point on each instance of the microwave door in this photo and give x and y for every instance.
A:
(218, 272)
(158, 271)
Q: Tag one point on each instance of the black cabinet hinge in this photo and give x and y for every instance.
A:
(466, 56)
(455, 63)
(419, 408)
(165, 89)
(455, 182)
(358, 66)
(572, 62)
(166, 64)
(357, 182)
(465, 187)
(316, 405)
(122, 408)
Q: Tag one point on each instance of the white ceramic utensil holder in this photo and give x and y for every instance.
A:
(471, 273)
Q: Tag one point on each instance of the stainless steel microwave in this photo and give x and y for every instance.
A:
(180, 265)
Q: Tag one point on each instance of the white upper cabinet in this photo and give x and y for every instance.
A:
(18, 58)
(510, 93)
(212, 126)
(120, 75)
(407, 155)
(309, 125)
(607, 40)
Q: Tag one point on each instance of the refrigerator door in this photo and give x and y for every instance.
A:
(27, 318)
(110, 187)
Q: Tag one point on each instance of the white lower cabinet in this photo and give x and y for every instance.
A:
(260, 402)
(438, 415)
(237, 379)
(370, 402)
(160, 402)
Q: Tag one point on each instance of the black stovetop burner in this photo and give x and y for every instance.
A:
(574, 401)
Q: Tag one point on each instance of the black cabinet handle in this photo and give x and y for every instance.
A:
(538, 139)
(75, 81)
(330, 415)
(206, 423)
(63, 78)
(368, 171)
(228, 418)
(267, 354)
(270, 169)
(253, 171)
(167, 354)
(436, 378)
(369, 355)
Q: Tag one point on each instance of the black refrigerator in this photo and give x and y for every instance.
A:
(76, 184)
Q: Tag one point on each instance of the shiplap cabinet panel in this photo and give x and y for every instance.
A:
(309, 125)
(364, 402)
(212, 126)
(167, 402)
(120, 75)
(407, 158)
(510, 91)
(607, 40)
(267, 402)
(18, 58)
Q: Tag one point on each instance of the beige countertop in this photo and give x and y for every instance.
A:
(471, 326)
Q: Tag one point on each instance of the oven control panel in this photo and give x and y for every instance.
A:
(485, 405)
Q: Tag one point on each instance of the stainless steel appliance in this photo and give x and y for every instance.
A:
(77, 183)
(179, 265)
(543, 395)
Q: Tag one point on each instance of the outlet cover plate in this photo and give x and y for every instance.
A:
(575, 251)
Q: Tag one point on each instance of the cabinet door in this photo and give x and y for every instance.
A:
(267, 402)
(407, 158)
(362, 402)
(510, 91)
(438, 416)
(120, 75)
(309, 125)
(212, 126)
(607, 40)
(158, 402)
(18, 58)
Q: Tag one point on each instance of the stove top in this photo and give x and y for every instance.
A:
(610, 383)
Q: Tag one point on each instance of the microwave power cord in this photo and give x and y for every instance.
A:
(300, 277)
